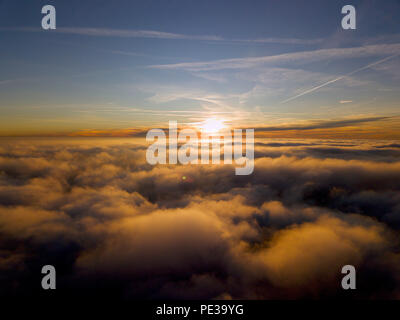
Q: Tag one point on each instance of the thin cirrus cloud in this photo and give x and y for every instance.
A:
(340, 78)
(302, 56)
(285, 41)
(135, 34)
(155, 34)
(106, 32)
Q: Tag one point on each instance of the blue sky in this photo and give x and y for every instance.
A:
(124, 64)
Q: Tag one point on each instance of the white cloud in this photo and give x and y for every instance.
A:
(303, 56)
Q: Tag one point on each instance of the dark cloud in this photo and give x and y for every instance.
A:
(322, 124)
(109, 221)
(392, 145)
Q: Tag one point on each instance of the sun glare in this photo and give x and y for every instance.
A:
(212, 125)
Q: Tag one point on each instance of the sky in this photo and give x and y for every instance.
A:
(114, 66)
(116, 226)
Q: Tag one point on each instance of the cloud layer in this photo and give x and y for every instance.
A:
(109, 221)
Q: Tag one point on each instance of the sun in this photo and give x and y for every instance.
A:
(212, 125)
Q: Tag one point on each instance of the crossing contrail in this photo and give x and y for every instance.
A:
(341, 77)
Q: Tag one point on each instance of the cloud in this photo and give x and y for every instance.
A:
(309, 256)
(286, 41)
(106, 219)
(133, 34)
(302, 56)
(120, 33)
(322, 124)
(155, 34)
(341, 77)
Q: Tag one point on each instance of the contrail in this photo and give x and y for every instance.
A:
(341, 77)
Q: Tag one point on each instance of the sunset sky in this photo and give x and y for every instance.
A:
(109, 68)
